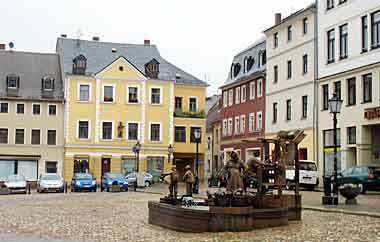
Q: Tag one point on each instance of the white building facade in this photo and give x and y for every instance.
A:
(291, 77)
(349, 65)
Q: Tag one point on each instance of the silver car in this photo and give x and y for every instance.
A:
(50, 182)
(16, 183)
(148, 178)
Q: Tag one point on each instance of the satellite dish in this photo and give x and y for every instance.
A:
(11, 45)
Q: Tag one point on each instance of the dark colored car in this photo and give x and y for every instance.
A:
(83, 182)
(367, 176)
(110, 179)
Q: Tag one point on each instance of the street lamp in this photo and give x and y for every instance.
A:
(136, 149)
(170, 152)
(197, 136)
(335, 105)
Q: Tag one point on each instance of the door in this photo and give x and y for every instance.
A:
(106, 165)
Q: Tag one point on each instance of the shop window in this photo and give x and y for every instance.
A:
(128, 165)
(81, 166)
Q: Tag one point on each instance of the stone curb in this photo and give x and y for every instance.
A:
(335, 210)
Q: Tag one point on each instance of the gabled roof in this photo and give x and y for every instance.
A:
(100, 54)
(31, 68)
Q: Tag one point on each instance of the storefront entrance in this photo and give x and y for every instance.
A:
(26, 168)
(106, 165)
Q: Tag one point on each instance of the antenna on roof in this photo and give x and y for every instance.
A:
(11, 45)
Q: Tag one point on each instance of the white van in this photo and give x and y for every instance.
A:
(308, 175)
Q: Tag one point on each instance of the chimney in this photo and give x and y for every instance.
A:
(146, 41)
(277, 18)
(95, 38)
(64, 35)
(2, 46)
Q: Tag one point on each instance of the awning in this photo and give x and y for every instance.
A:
(20, 157)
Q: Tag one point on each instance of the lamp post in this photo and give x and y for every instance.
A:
(170, 152)
(197, 136)
(136, 149)
(335, 105)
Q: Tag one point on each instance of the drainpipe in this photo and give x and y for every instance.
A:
(316, 90)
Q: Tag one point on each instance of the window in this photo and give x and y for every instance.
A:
(259, 121)
(331, 46)
(36, 109)
(36, 137)
(338, 89)
(13, 82)
(237, 95)
(230, 97)
(364, 33)
(79, 65)
(155, 132)
(325, 97)
(288, 110)
(375, 29)
(275, 40)
(225, 99)
(351, 91)
(107, 130)
(251, 122)
(243, 93)
(52, 109)
(84, 92)
(20, 136)
(237, 125)
(3, 107)
(304, 64)
(108, 94)
(252, 90)
(178, 102)
(3, 136)
(351, 135)
(155, 97)
(342, 1)
(328, 138)
(193, 104)
(20, 108)
(180, 133)
(275, 74)
(289, 75)
(367, 88)
(304, 107)
(83, 130)
(275, 112)
(260, 88)
(48, 83)
(225, 128)
(51, 167)
(305, 25)
(133, 94)
(343, 41)
(330, 4)
(242, 124)
(133, 131)
(192, 134)
(52, 137)
(229, 129)
(290, 33)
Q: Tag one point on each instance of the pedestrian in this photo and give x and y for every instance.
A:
(189, 180)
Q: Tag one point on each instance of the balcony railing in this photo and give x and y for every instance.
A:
(179, 113)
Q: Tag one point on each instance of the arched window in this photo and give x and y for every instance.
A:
(250, 63)
(79, 65)
(237, 68)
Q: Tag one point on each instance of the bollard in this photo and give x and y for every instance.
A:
(29, 188)
(65, 187)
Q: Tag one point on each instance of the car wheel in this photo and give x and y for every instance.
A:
(147, 183)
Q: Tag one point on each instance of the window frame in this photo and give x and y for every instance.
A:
(31, 136)
(196, 104)
(55, 137)
(56, 110)
(343, 41)
(330, 46)
(351, 102)
(364, 32)
(88, 129)
(7, 107)
(305, 26)
(243, 94)
(16, 109)
(175, 134)
(288, 116)
(290, 33)
(325, 97)
(369, 85)
(349, 138)
(23, 138)
(337, 90)
(150, 132)
(305, 64)
(330, 4)
(275, 40)
(112, 130)
(259, 88)
(89, 91)
(251, 122)
(36, 104)
(259, 121)
(137, 94)
(181, 102)
(304, 106)
(230, 97)
(289, 70)
(137, 130)
(7, 129)
(274, 112)
(151, 93)
(236, 125)
(373, 25)
(113, 93)
(252, 90)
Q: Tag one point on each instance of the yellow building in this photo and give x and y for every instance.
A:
(120, 94)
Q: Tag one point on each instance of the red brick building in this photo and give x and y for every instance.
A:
(243, 104)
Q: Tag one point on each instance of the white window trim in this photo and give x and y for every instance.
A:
(230, 97)
(225, 128)
(237, 125)
(252, 128)
(48, 107)
(150, 95)
(242, 131)
(229, 132)
(252, 86)
(225, 99)
(112, 132)
(245, 93)
(32, 109)
(127, 130)
(196, 103)
(257, 121)
(113, 92)
(251, 149)
(237, 95)
(31, 136)
(260, 88)
(8, 107)
(16, 109)
(138, 95)
(89, 92)
(7, 137)
(150, 130)
(181, 126)
(89, 129)
(47, 137)
(15, 135)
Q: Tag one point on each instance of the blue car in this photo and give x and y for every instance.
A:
(83, 182)
(118, 179)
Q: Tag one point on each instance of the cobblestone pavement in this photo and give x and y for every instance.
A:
(124, 216)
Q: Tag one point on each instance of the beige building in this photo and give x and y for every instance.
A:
(31, 114)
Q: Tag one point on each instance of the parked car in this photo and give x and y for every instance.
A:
(110, 179)
(82, 182)
(16, 184)
(308, 175)
(148, 178)
(50, 182)
(367, 176)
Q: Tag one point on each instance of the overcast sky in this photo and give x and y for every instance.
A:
(200, 36)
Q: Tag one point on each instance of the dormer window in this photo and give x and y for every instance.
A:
(13, 82)
(237, 68)
(48, 83)
(250, 63)
(152, 68)
(79, 65)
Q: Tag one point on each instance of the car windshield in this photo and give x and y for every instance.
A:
(115, 176)
(83, 176)
(308, 166)
(51, 177)
(16, 178)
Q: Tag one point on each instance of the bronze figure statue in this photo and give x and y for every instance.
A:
(235, 168)
(189, 180)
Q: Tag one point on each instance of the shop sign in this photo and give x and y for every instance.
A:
(372, 113)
